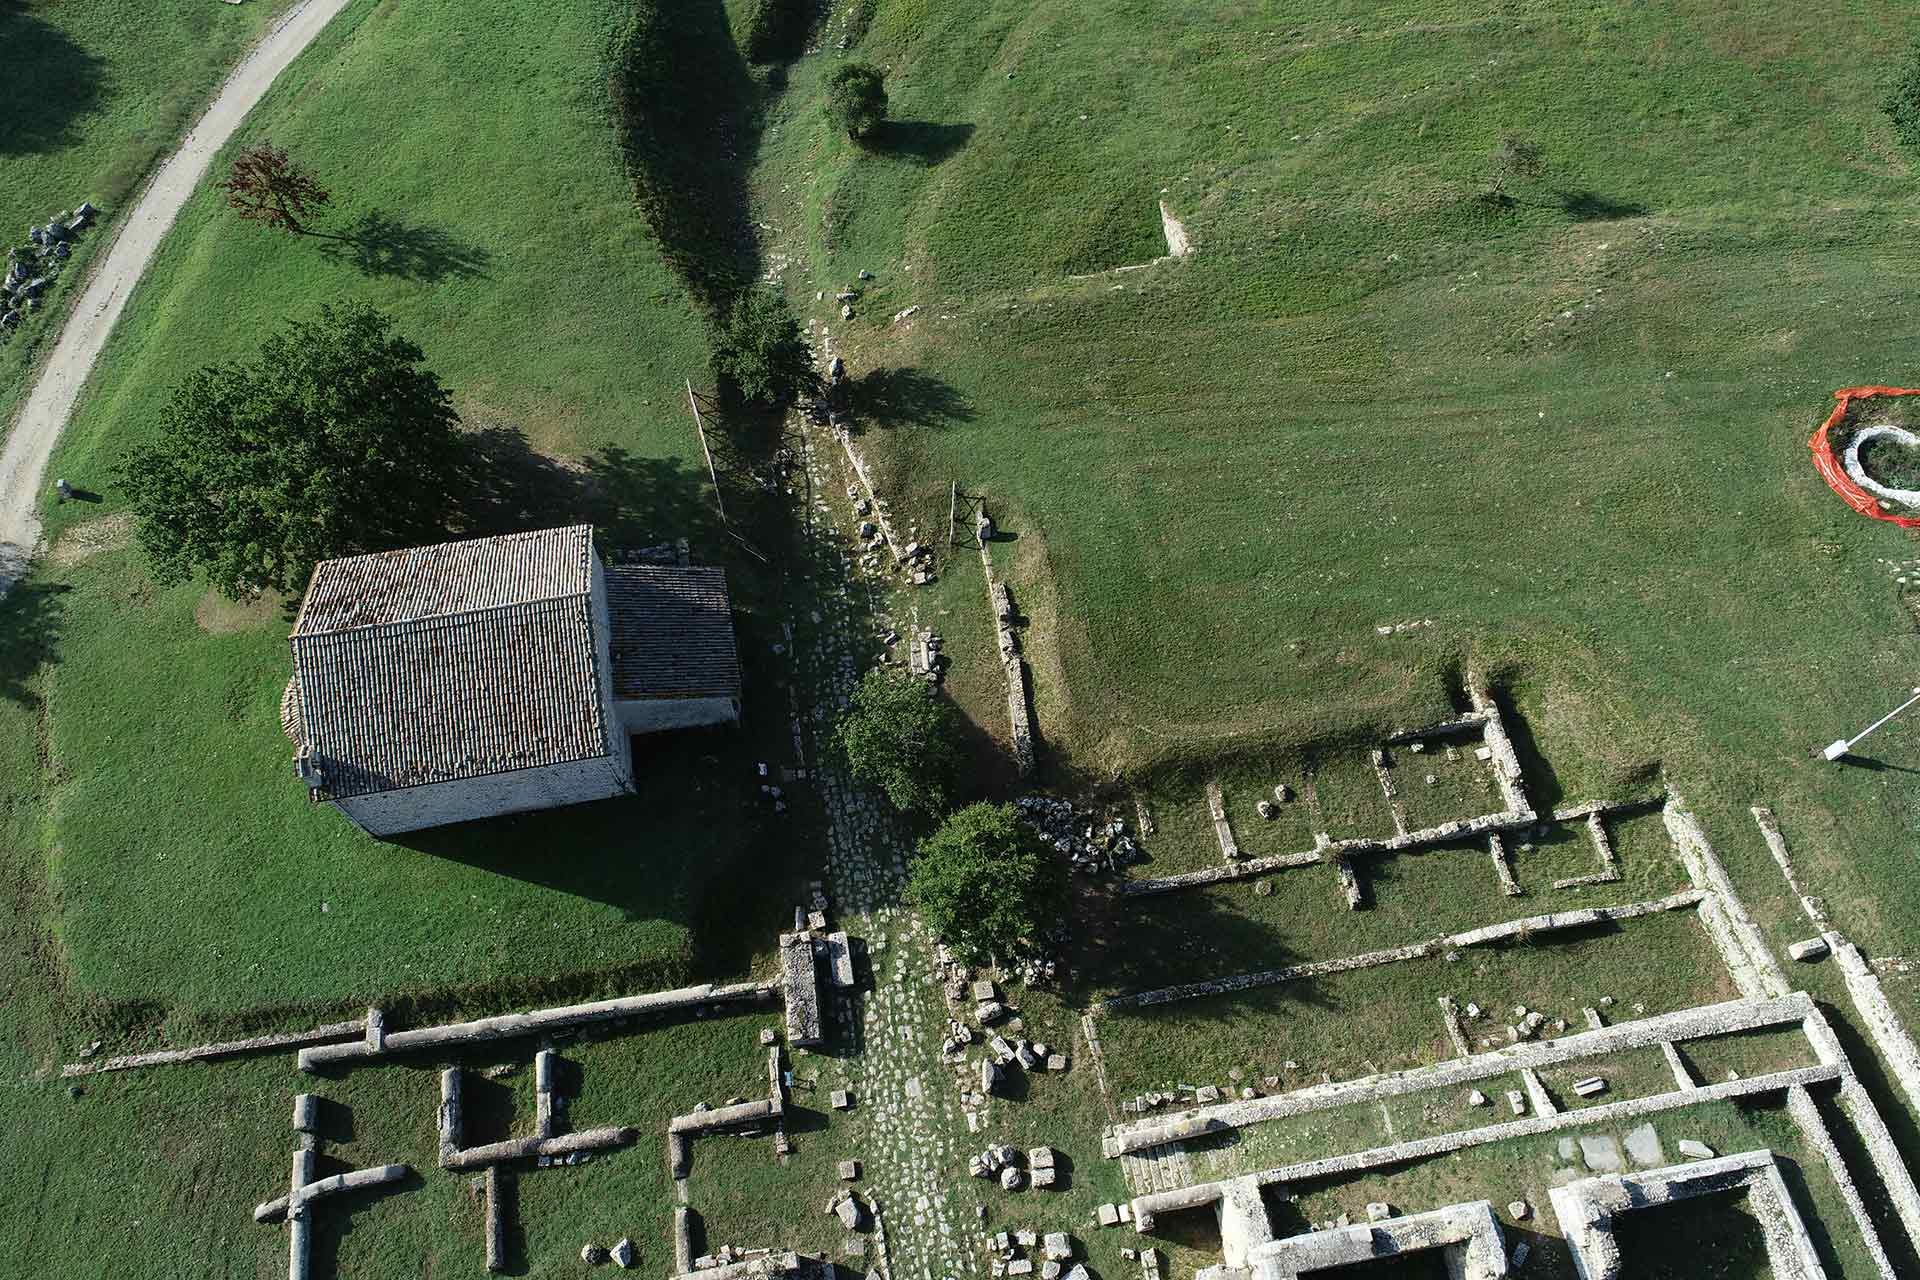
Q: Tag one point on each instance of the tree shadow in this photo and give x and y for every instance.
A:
(32, 616)
(906, 397)
(922, 141)
(380, 244)
(1590, 206)
(631, 501)
(50, 83)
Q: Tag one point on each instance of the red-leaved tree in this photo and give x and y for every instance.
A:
(269, 187)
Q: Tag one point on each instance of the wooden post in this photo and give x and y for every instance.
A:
(712, 473)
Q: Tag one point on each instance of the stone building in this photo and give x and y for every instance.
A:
(496, 675)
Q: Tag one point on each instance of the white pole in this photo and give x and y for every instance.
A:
(1837, 749)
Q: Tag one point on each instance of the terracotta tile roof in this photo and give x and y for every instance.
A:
(672, 632)
(447, 578)
(455, 661)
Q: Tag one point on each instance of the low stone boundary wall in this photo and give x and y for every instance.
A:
(1813, 1127)
(1686, 1024)
(328, 1034)
(1019, 693)
(1749, 962)
(1552, 922)
(1214, 875)
(511, 1025)
(1883, 1024)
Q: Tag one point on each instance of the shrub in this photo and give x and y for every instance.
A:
(759, 351)
(898, 737)
(1517, 159)
(776, 30)
(1902, 100)
(986, 884)
(857, 98)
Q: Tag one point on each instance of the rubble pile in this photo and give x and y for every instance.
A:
(1091, 843)
(33, 266)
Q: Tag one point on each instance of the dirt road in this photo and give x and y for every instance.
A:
(23, 463)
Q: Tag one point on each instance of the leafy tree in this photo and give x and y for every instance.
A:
(268, 186)
(899, 738)
(776, 29)
(985, 883)
(1517, 159)
(332, 441)
(761, 351)
(1902, 99)
(857, 97)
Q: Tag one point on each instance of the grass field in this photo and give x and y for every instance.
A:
(1569, 431)
(1563, 433)
(541, 303)
(1388, 1017)
(95, 95)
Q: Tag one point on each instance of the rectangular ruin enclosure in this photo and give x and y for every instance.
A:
(1389, 1017)
(1527, 1169)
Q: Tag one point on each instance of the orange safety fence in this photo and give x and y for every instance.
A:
(1836, 475)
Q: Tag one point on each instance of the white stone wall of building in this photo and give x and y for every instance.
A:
(386, 813)
(652, 715)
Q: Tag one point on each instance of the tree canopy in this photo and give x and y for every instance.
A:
(761, 351)
(332, 441)
(857, 97)
(267, 186)
(986, 884)
(896, 737)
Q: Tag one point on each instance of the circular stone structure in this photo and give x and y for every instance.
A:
(1858, 473)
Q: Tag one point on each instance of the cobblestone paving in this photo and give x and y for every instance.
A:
(912, 1114)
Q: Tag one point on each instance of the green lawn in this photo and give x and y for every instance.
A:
(1365, 402)
(95, 95)
(189, 870)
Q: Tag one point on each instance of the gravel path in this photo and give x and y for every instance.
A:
(23, 464)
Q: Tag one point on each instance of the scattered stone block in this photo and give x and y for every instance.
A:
(624, 1255)
(1057, 1245)
(1020, 1267)
(847, 1209)
(1695, 1150)
(1591, 1087)
(1809, 950)
(1643, 1147)
(593, 1255)
(1109, 1215)
(1012, 1179)
(1263, 888)
(1379, 1211)
(1475, 1098)
(1520, 1210)
(1050, 1270)
(988, 1012)
(841, 1099)
(768, 1037)
(1518, 1101)
(1041, 1158)
(1044, 1178)
(849, 1170)
(983, 991)
(1206, 1093)
(1056, 1062)
(1601, 1154)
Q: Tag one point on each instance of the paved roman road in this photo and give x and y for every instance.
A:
(23, 463)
